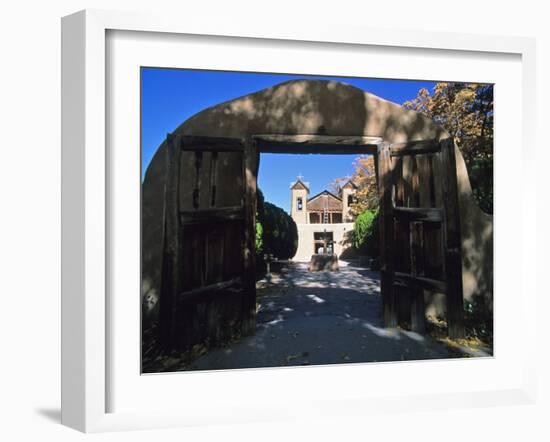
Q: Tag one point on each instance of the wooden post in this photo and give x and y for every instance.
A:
(418, 314)
(401, 178)
(250, 169)
(389, 305)
(376, 169)
(452, 241)
(171, 278)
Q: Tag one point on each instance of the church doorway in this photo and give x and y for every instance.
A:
(323, 243)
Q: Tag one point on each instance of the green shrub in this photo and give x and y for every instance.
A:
(478, 319)
(259, 238)
(480, 172)
(280, 233)
(366, 233)
(276, 231)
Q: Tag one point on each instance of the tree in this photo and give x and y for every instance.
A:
(260, 213)
(364, 177)
(280, 233)
(366, 233)
(466, 111)
(276, 231)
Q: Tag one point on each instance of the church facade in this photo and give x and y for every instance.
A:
(324, 220)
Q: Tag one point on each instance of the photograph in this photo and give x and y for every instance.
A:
(238, 221)
(293, 220)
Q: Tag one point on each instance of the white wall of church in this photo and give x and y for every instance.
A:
(341, 235)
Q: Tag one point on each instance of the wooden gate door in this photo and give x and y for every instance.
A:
(420, 242)
(208, 291)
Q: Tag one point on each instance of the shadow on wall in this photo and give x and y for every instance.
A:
(477, 252)
(477, 244)
(349, 250)
(311, 107)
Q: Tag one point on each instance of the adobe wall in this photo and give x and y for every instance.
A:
(340, 231)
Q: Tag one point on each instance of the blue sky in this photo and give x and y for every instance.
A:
(171, 96)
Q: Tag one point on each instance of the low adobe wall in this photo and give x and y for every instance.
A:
(341, 236)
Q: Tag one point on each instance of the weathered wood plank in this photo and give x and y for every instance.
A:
(414, 148)
(409, 163)
(376, 168)
(316, 140)
(414, 200)
(250, 171)
(425, 180)
(217, 144)
(298, 149)
(398, 182)
(171, 278)
(437, 175)
(230, 179)
(409, 280)
(416, 247)
(316, 144)
(418, 310)
(212, 215)
(453, 243)
(433, 232)
(190, 294)
(411, 214)
(198, 180)
(401, 239)
(213, 178)
(389, 305)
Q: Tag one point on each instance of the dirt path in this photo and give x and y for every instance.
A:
(318, 318)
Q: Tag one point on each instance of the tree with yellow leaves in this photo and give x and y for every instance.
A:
(364, 177)
(465, 110)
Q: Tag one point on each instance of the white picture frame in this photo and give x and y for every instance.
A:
(86, 202)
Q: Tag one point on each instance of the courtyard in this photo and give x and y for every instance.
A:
(309, 318)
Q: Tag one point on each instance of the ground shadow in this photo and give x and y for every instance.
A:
(317, 318)
(51, 414)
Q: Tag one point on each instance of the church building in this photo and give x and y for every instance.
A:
(324, 221)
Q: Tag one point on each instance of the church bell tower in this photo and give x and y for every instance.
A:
(299, 191)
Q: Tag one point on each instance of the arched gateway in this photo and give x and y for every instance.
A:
(199, 194)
